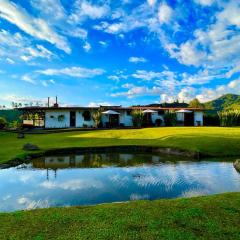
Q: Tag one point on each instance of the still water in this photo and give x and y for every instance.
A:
(101, 178)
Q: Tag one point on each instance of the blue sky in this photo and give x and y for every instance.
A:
(118, 52)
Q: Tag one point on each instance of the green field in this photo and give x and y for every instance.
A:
(212, 217)
(214, 141)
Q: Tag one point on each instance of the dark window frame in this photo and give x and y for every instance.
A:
(86, 116)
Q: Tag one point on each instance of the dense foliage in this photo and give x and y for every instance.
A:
(137, 118)
(229, 118)
(170, 119)
(195, 103)
(228, 101)
(3, 122)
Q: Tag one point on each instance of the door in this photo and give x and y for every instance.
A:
(72, 119)
(114, 120)
(189, 119)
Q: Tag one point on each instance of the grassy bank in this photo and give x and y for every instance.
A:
(212, 217)
(214, 141)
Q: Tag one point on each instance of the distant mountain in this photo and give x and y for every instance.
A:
(168, 105)
(227, 101)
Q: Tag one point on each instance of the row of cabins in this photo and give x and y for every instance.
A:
(111, 116)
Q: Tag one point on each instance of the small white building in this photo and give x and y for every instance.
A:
(111, 116)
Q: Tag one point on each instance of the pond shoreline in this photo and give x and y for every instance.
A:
(28, 156)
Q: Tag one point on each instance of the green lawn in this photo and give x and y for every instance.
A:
(212, 217)
(214, 141)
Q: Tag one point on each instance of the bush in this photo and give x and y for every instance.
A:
(15, 125)
(3, 122)
(137, 118)
(97, 118)
(229, 118)
(170, 119)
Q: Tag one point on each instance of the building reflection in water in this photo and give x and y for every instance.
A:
(96, 160)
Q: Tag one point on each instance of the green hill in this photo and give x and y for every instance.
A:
(227, 101)
(10, 115)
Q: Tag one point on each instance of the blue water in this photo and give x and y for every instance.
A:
(103, 178)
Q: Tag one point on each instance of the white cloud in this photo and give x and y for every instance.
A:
(46, 83)
(73, 185)
(15, 47)
(102, 43)
(145, 75)
(35, 27)
(38, 52)
(151, 2)
(205, 2)
(208, 94)
(135, 91)
(28, 79)
(165, 13)
(215, 46)
(50, 8)
(78, 72)
(84, 9)
(9, 60)
(137, 59)
(97, 104)
(87, 47)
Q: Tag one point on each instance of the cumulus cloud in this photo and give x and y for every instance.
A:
(136, 91)
(78, 72)
(165, 13)
(84, 9)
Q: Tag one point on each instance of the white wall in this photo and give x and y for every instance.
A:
(80, 119)
(155, 116)
(53, 122)
(198, 116)
(125, 119)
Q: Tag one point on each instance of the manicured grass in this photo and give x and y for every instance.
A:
(212, 217)
(214, 141)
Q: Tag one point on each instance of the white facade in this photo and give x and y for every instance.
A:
(53, 118)
(59, 118)
(80, 122)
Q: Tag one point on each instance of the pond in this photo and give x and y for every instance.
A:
(102, 178)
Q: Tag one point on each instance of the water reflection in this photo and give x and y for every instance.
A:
(100, 178)
(95, 160)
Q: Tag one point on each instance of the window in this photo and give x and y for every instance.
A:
(86, 116)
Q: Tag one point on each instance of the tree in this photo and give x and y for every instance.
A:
(137, 118)
(3, 122)
(195, 103)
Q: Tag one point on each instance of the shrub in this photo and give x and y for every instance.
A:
(97, 118)
(170, 119)
(3, 122)
(137, 118)
(15, 125)
(229, 118)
